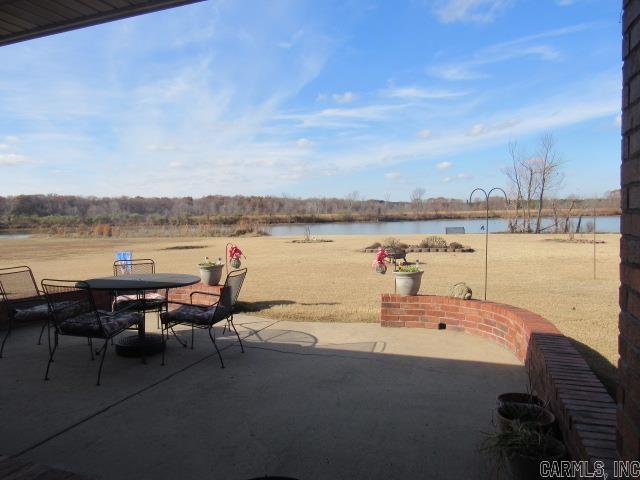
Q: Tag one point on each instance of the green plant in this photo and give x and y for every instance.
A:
(373, 245)
(521, 439)
(410, 268)
(433, 242)
(456, 245)
(209, 263)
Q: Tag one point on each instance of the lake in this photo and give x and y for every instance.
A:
(609, 224)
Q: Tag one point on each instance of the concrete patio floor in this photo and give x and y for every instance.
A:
(306, 400)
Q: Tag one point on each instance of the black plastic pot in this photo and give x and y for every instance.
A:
(532, 416)
(525, 467)
(516, 397)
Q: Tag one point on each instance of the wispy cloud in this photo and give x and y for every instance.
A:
(424, 133)
(346, 97)
(527, 46)
(478, 11)
(392, 176)
(419, 93)
(443, 165)
(12, 159)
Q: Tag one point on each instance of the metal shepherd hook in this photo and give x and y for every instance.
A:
(486, 230)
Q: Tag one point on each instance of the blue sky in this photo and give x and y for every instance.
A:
(314, 99)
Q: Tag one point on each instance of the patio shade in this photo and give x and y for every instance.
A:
(26, 19)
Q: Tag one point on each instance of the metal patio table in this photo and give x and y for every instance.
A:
(141, 343)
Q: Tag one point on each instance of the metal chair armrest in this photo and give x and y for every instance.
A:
(204, 293)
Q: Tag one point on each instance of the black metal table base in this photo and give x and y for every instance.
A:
(135, 346)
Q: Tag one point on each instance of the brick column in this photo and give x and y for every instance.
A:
(628, 409)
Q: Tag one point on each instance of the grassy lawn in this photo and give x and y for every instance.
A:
(334, 281)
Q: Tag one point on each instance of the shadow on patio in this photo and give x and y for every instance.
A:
(307, 400)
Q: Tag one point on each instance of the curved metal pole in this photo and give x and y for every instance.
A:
(226, 258)
(486, 229)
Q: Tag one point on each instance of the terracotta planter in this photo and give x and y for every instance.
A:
(211, 275)
(408, 283)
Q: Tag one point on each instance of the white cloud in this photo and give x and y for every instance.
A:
(292, 41)
(392, 176)
(176, 164)
(12, 159)
(478, 11)
(163, 147)
(444, 165)
(477, 129)
(304, 143)
(423, 93)
(446, 179)
(346, 97)
(527, 46)
(3, 146)
(424, 133)
(618, 121)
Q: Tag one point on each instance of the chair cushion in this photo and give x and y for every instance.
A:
(189, 314)
(38, 312)
(87, 323)
(151, 300)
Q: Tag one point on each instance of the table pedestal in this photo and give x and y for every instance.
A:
(135, 346)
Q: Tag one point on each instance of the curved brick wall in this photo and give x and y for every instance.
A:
(586, 412)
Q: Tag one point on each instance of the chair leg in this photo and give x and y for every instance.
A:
(91, 347)
(52, 352)
(44, 325)
(237, 335)
(164, 341)
(104, 354)
(213, 339)
(184, 344)
(6, 336)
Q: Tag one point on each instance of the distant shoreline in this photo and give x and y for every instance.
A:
(45, 226)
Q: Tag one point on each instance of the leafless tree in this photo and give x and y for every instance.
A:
(416, 197)
(352, 198)
(525, 183)
(548, 170)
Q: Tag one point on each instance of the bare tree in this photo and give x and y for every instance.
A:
(525, 183)
(352, 198)
(548, 169)
(416, 198)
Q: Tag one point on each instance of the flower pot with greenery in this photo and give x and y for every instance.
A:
(534, 416)
(521, 448)
(408, 279)
(211, 272)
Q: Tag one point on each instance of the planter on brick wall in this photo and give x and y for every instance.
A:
(408, 283)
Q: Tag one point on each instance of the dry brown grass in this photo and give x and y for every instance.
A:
(335, 282)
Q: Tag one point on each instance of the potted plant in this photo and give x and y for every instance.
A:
(380, 262)
(211, 272)
(408, 279)
(521, 449)
(534, 416)
(234, 253)
(518, 397)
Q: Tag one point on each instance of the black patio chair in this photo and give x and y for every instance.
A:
(74, 313)
(206, 316)
(21, 300)
(153, 301)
